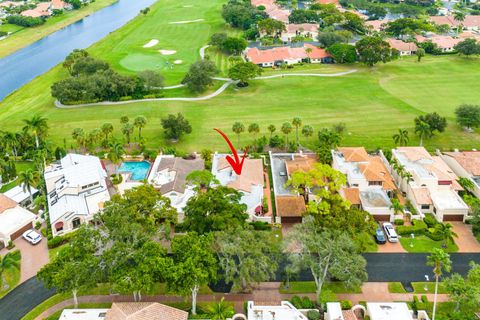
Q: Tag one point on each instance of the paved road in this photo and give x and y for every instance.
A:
(381, 267)
(23, 298)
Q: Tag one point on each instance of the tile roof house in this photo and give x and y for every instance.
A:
(10, 4)
(403, 48)
(444, 43)
(250, 183)
(76, 191)
(273, 10)
(471, 22)
(376, 25)
(307, 30)
(286, 55)
(433, 185)
(289, 205)
(43, 9)
(14, 220)
(369, 183)
(465, 164)
(168, 175)
(127, 311)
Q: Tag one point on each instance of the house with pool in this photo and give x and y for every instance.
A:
(134, 173)
(168, 175)
(76, 191)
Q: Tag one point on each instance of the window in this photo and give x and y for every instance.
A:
(425, 206)
(374, 183)
(76, 223)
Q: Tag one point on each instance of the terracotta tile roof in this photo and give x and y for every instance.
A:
(354, 154)
(349, 315)
(252, 174)
(402, 45)
(41, 10)
(284, 53)
(144, 311)
(375, 170)
(469, 160)
(300, 163)
(469, 34)
(290, 206)
(415, 153)
(305, 27)
(6, 203)
(59, 4)
(469, 22)
(442, 170)
(422, 195)
(376, 25)
(442, 42)
(273, 10)
(352, 195)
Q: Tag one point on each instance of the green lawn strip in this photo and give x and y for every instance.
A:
(57, 314)
(20, 167)
(298, 287)
(396, 287)
(8, 186)
(52, 253)
(419, 287)
(11, 276)
(22, 37)
(425, 244)
(443, 308)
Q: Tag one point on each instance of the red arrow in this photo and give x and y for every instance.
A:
(236, 164)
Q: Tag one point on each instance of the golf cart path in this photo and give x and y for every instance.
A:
(227, 83)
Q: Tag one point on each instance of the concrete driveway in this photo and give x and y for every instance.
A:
(34, 257)
(466, 242)
(391, 248)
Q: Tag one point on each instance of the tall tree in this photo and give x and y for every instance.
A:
(423, 130)
(297, 123)
(11, 141)
(459, 16)
(127, 131)
(200, 75)
(80, 137)
(327, 141)
(440, 261)
(238, 128)
(254, 129)
(140, 122)
(468, 116)
(28, 179)
(445, 230)
(396, 206)
(194, 265)
(247, 256)
(115, 155)
(271, 128)
(243, 72)
(176, 126)
(373, 49)
(9, 261)
(401, 137)
(38, 126)
(286, 130)
(326, 254)
(307, 131)
(107, 129)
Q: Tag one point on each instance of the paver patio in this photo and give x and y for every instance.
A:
(466, 241)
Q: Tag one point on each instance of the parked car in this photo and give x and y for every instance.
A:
(32, 236)
(390, 232)
(379, 236)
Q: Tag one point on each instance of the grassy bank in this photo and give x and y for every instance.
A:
(22, 37)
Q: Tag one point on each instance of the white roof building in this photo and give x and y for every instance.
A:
(284, 311)
(14, 220)
(77, 190)
(20, 196)
(83, 314)
(389, 311)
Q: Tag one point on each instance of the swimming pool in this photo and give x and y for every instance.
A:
(139, 169)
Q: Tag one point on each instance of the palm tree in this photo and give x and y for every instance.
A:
(37, 126)
(124, 119)
(255, 129)
(11, 141)
(115, 155)
(79, 135)
(308, 51)
(127, 131)
(401, 138)
(272, 129)
(397, 206)
(140, 122)
(440, 261)
(446, 231)
(107, 128)
(286, 129)
(10, 260)
(94, 136)
(297, 123)
(28, 179)
(220, 310)
(238, 128)
(423, 130)
(460, 17)
(307, 131)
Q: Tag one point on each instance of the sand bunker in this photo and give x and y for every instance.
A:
(151, 43)
(186, 21)
(167, 52)
(178, 61)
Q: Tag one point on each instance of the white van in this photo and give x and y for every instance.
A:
(390, 232)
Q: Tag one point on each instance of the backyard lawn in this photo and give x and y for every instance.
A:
(11, 276)
(22, 37)
(425, 244)
(373, 102)
(20, 166)
(418, 287)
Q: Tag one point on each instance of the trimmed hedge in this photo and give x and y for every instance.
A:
(398, 222)
(346, 304)
(418, 228)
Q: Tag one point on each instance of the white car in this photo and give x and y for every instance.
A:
(390, 232)
(32, 236)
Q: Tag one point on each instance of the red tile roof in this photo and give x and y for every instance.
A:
(442, 42)
(469, 22)
(284, 53)
(402, 45)
(290, 206)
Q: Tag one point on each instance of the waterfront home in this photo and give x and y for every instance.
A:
(76, 191)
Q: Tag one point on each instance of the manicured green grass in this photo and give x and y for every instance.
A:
(425, 244)
(20, 167)
(57, 314)
(419, 287)
(22, 37)
(396, 287)
(298, 287)
(11, 276)
(52, 253)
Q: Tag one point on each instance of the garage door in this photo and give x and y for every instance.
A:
(382, 217)
(453, 217)
(291, 219)
(19, 233)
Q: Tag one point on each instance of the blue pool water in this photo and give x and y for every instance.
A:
(139, 169)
